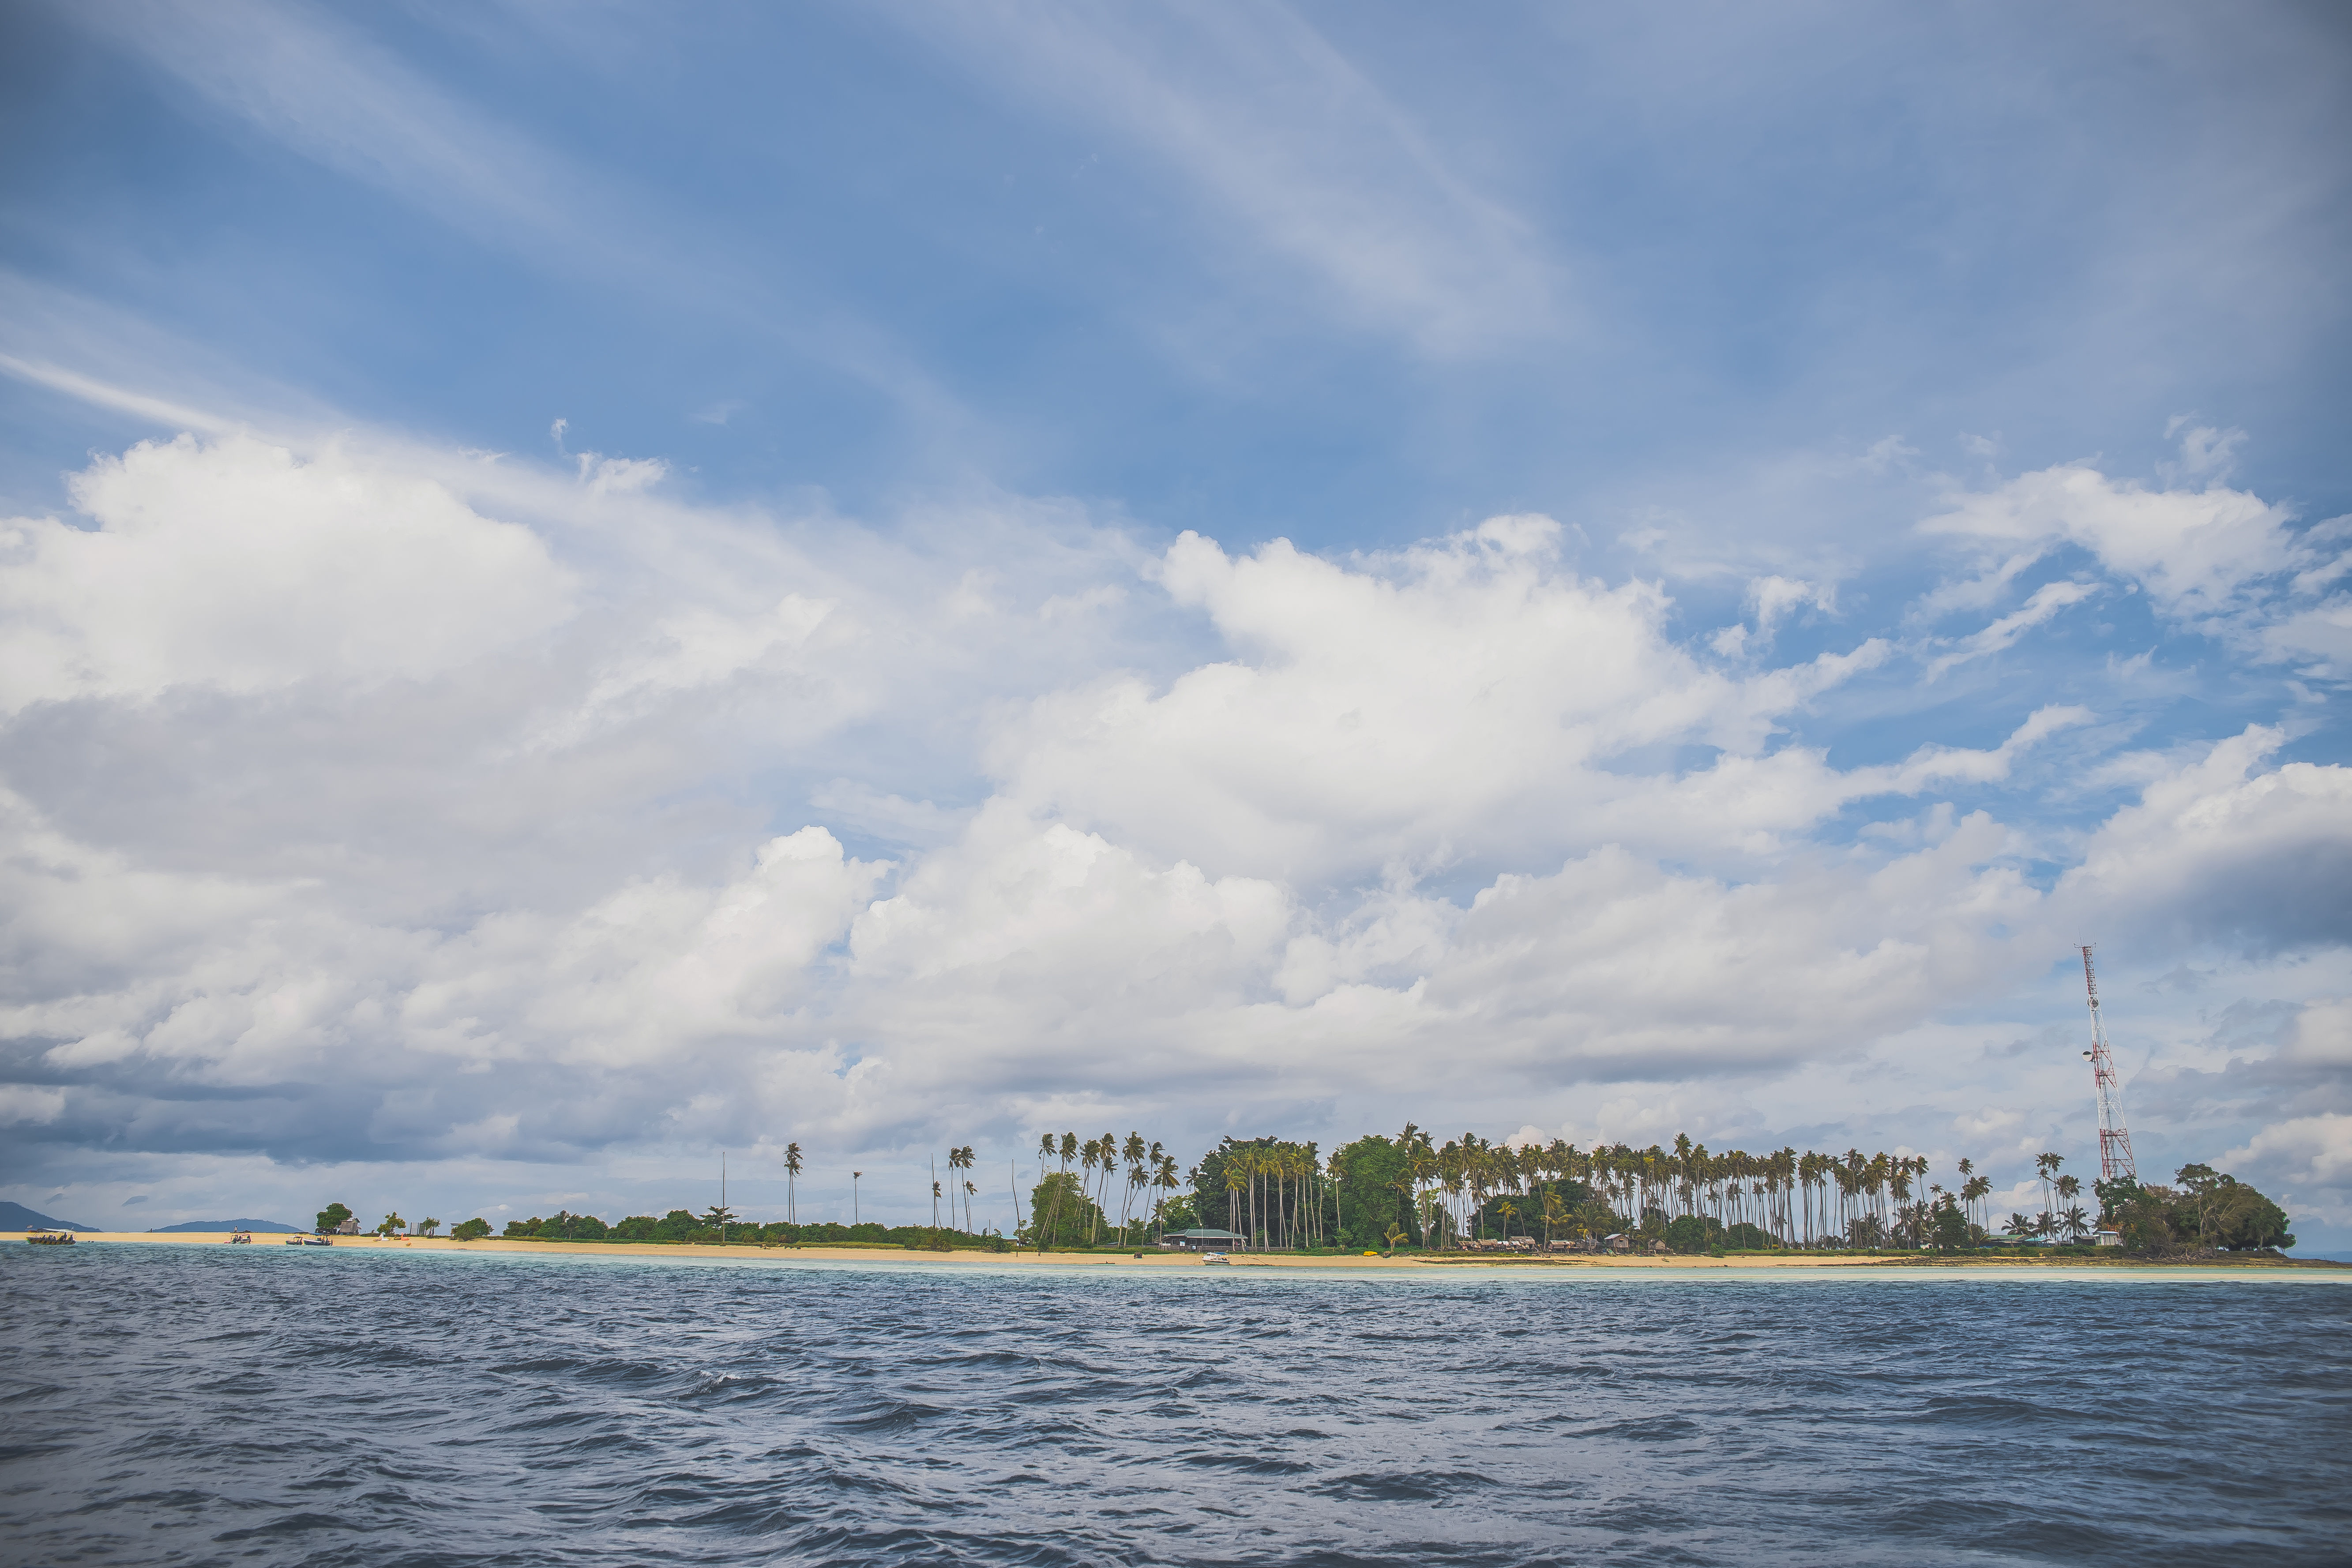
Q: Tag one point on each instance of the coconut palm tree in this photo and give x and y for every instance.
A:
(1139, 1178)
(1064, 1151)
(792, 1183)
(1973, 1191)
(1134, 1152)
(958, 1162)
(1169, 1183)
(2046, 1165)
(1046, 1147)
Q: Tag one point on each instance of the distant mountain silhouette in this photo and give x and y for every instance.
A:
(17, 1217)
(228, 1225)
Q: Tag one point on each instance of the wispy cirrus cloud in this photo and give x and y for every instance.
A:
(2045, 603)
(311, 81)
(1294, 150)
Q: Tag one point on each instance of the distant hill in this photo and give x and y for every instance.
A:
(17, 1217)
(228, 1225)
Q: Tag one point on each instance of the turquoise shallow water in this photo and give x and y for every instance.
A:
(188, 1404)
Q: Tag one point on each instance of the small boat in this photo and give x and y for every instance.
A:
(293, 1241)
(317, 1241)
(51, 1238)
(1216, 1258)
(243, 1238)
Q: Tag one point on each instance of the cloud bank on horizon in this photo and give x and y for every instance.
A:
(1207, 571)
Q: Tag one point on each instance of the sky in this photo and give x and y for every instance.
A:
(585, 588)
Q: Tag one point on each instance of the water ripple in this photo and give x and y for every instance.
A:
(191, 1405)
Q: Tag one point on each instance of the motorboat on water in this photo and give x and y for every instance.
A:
(51, 1238)
(242, 1236)
(317, 1241)
(1216, 1258)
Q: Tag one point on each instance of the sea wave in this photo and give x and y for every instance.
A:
(199, 1406)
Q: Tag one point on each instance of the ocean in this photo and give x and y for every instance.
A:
(211, 1404)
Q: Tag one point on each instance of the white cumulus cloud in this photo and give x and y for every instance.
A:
(235, 564)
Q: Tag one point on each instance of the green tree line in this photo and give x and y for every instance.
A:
(1410, 1191)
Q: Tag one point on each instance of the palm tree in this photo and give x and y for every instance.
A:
(854, 1175)
(1106, 1163)
(1974, 1192)
(1135, 1152)
(964, 1160)
(1045, 1147)
(2074, 1222)
(792, 1182)
(1166, 1180)
(1139, 1177)
(1086, 1151)
(2046, 1166)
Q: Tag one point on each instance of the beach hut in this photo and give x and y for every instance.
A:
(1204, 1240)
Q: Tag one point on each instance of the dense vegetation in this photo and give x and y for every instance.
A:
(2207, 1212)
(1411, 1191)
(1408, 1191)
(719, 1226)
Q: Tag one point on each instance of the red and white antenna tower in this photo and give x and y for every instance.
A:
(2115, 1142)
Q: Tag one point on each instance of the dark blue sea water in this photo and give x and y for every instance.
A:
(184, 1404)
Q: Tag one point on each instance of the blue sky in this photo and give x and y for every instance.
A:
(1916, 436)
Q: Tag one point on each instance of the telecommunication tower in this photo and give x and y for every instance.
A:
(2115, 1142)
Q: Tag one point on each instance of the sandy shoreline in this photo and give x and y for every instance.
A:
(1578, 1263)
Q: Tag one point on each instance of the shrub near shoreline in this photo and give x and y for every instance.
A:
(679, 1227)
